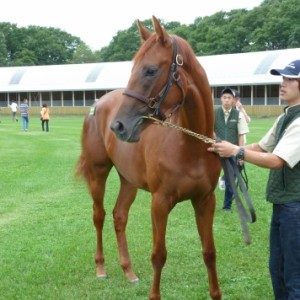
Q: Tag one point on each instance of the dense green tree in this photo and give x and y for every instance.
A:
(11, 39)
(38, 45)
(50, 45)
(182, 31)
(210, 33)
(3, 50)
(275, 25)
(123, 46)
(169, 26)
(25, 57)
(294, 38)
(272, 25)
(83, 54)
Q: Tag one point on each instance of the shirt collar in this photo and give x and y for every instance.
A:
(287, 108)
(226, 111)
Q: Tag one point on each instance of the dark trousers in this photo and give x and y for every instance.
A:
(47, 125)
(284, 261)
(228, 194)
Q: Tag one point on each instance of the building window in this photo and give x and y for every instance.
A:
(67, 98)
(56, 99)
(259, 95)
(273, 94)
(78, 98)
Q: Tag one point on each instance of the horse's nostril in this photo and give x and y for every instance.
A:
(117, 127)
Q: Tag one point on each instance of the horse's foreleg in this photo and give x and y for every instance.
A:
(126, 197)
(159, 214)
(204, 213)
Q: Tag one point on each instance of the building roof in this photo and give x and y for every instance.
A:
(231, 69)
(252, 68)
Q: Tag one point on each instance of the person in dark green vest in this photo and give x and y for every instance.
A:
(230, 125)
(279, 150)
(237, 104)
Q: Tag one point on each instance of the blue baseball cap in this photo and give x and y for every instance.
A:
(292, 70)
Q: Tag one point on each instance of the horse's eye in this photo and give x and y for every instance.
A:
(150, 71)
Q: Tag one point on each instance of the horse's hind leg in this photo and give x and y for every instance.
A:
(125, 198)
(204, 213)
(97, 187)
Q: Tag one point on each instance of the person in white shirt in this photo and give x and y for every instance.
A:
(14, 109)
(279, 151)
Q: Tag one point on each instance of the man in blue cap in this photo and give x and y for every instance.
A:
(279, 150)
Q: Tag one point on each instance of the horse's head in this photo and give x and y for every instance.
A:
(155, 87)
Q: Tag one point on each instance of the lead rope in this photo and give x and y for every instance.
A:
(230, 169)
(198, 136)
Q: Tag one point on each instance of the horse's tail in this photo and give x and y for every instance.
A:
(95, 127)
(81, 166)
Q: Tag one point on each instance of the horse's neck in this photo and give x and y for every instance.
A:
(196, 118)
(197, 112)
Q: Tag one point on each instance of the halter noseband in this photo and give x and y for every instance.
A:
(156, 102)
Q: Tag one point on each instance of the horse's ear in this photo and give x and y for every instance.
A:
(144, 32)
(161, 33)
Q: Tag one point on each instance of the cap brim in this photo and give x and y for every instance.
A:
(284, 73)
(276, 72)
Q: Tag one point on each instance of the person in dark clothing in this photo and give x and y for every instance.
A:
(230, 125)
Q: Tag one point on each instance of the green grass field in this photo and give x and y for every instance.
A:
(47, 238)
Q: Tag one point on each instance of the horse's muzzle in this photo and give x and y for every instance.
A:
(131, 133)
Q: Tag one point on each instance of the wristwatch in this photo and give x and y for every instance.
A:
(240, 155)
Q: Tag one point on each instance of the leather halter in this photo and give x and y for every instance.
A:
(156, 102)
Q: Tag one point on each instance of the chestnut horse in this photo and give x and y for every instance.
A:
(167, 82)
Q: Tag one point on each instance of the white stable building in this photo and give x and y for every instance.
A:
(80, 84)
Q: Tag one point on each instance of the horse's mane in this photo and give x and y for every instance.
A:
(198, 81)
(191, 63)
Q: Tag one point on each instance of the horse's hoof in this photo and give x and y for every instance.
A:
(134, 281)
(102, 276)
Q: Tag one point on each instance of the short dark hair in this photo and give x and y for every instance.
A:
(228, 91)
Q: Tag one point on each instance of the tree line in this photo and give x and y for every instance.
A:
(272, 25)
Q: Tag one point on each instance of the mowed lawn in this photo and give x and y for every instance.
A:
(47, 237)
